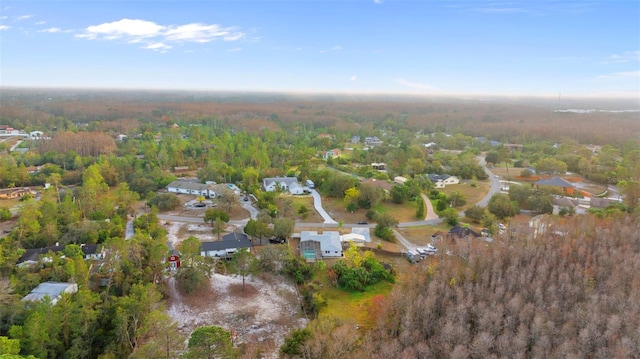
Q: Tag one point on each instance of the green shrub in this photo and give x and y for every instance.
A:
(5, 214)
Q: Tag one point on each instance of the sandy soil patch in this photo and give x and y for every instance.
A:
(262, 314)
(178, 231)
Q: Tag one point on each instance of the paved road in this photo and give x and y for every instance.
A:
(248, 205)
(431, 213)
(317, 204)
(405, 243)
(128, 230)
(495, 183)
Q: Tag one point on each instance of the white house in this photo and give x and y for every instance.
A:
(187, 187)
(441, 181)
(225, 248)
(285, 183)
(334, 153)
(52, 290)
(36, 135)
(330, 245)
(372, 141)
(400, 180)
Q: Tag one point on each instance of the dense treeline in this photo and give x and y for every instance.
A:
(553, 297)
(504, 119)
(84, 143)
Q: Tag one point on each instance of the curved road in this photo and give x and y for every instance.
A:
(495, 183)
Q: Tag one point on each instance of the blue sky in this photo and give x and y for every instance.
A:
(382, 46)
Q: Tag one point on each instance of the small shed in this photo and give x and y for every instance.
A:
(173, 260)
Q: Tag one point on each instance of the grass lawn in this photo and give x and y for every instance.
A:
(337, 209)
(472, 194)
(421, 235)
(9, 203)
(296, 202)
(402, 212)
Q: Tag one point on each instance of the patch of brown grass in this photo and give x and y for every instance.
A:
(421, 235)
(246, 291)
(336, 207)
(296, 202)
(200, 299)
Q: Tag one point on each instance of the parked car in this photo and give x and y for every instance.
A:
(363, 222)
(277, 240)
(502, 227)
(429, 250)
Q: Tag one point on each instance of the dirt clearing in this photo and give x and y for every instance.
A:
(261, 314)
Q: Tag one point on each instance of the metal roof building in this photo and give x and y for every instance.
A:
(53, 290)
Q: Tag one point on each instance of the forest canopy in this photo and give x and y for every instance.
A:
(554, 297)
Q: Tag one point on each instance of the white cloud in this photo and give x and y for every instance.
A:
(378, 1)
(152, 34)
(201, 33)
(415, 85)
(51, 30)
(627, 56)
(23, 17)
(41, 22)
(235, 49)
(621, 75)
(353, 78)
(125, 28)
(158, 46)
(4, 27)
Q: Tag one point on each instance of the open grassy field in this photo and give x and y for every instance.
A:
(294, 203)
(10, 203)
(337, 209)
(472, 194)
(421, 235)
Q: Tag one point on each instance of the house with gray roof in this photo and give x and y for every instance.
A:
(33, 255)
(557, 182)
(51, 290)
(226, 247)
(329, 242)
